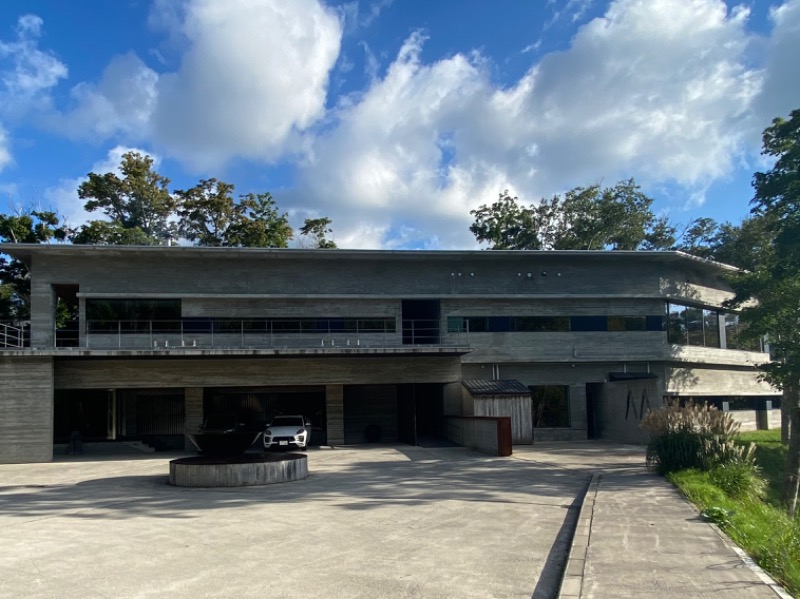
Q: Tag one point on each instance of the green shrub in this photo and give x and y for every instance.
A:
(739, 480)
(718, 515)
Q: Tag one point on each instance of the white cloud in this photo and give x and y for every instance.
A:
(355, 18)
(656, 88)
(63, 197)
(26, 72)
(391, 155)
(121, 103)
(5, 152)
(782, 85)
(254, 74)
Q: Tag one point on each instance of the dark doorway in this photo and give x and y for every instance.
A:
(420, 414)
(420, 322)
(87, 411)
(406, 414)
(429, 405)
(592, 397)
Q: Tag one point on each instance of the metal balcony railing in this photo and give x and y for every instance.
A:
(252, 333)
(13, 336)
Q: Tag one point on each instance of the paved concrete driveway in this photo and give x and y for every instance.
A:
(368, 522)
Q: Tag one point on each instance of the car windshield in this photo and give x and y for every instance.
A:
(287, 421)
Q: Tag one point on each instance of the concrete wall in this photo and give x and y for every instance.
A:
(478, 433)
(258, 272)
(267, 371)
(620, 408)
(26, 410)
(747, 419)
(451, 400)
(699, 379)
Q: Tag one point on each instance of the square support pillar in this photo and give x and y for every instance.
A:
(43, 315)
(26, 410)
(763, 407)
(193, 413)
(334, 411)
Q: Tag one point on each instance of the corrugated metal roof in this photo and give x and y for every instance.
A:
(508, 387)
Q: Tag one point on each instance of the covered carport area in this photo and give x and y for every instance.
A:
(351, 395)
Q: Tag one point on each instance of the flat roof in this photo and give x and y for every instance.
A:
(26, 251)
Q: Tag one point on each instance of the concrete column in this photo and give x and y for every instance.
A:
(334, 410)
(43, 315)
(82, 326)
(452, 399)
(763, 407)
(26, 410)
(193, 412)
(577, 407)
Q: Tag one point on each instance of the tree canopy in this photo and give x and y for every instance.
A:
(31, 226)
(138, 205)
(209, 216)
(769, 293)
(584, 218)
(315, 231)
(140, 210)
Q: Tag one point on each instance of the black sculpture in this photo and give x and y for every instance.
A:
(223, 435)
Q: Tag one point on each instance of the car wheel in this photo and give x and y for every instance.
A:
(304, 448)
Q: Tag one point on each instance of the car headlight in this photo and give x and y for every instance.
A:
(302, 431)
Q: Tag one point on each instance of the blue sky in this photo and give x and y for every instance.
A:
(396, 118)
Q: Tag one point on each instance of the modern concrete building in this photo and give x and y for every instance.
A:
(370, 345)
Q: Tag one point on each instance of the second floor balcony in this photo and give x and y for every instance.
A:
(205, 333)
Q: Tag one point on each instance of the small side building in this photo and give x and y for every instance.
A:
(501, 398)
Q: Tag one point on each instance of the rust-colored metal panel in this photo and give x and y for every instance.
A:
(503, 436)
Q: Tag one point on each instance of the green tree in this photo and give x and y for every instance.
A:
(746, 245)
(209, 216)
(585, 218)
(138, 205)
(260, 223)
(770, 293)
(32, 226)
(316, 230)
(207, 212)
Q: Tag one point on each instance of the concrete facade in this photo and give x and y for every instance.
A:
(358, 340)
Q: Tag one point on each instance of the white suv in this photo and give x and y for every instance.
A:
(286, 431)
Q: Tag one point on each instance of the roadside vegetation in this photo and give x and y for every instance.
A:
(734, 478)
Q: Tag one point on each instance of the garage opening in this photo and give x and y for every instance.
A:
(409, 413)
(257, 406)
(152, 416)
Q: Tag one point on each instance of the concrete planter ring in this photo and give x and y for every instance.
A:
(237, 471)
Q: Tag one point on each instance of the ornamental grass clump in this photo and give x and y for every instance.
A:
(698, 436)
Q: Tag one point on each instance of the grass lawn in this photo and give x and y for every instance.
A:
(760, 526)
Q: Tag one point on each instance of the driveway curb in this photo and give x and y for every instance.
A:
(572, 580)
